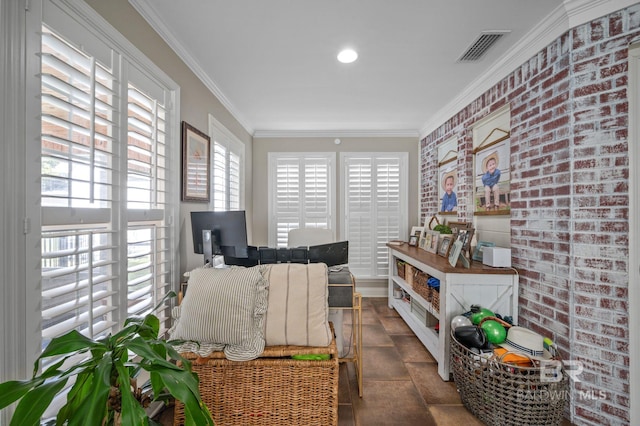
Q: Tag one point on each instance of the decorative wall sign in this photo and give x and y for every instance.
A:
(195, 164)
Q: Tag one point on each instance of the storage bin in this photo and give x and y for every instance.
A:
(400, 267)
(420, 285)
(271, 390)
(501, 394)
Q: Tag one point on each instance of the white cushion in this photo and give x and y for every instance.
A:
(298, 311)
(223, 309)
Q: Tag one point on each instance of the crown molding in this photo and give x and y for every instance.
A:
(336, 133)
(146, 11)
(566, 16)
(583, 11)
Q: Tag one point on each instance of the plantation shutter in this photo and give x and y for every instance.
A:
(149, 258)
(106, 198)
(375, 208)
(226, 168)
(79, 244)
(301, 189)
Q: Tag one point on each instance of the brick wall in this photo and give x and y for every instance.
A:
(569, 200)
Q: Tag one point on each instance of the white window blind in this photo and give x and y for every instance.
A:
(101, 262)
(301, 193)
(148, 235)
(375, 208)
(79, 257)
(227, 165)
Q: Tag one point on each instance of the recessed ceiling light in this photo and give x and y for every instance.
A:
(347, 56)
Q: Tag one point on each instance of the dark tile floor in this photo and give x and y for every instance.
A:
(401, 383)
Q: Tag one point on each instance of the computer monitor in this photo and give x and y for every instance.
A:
(332, 254)
(228, 232)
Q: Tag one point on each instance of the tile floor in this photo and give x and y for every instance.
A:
(401, 383)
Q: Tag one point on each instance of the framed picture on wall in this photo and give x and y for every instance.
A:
(196, 147)
(448, 177)
(492, 174)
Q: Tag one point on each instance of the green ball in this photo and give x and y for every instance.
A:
(478, 316)
(496, 333)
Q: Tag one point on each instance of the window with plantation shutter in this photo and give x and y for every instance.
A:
(149, 240)
(79, 251)
(301, 193)
(227, 164)
(375, 208)
(108, 206)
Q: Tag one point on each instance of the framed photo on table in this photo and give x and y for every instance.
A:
(431, 243)
(413, 240)
(454, 253)
(196, 147)
(445, 244)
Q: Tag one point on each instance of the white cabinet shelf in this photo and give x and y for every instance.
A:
(493, 288)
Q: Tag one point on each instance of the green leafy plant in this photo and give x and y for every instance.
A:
(443, 229)
(104, 392)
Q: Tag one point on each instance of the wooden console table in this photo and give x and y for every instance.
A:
(492, 288)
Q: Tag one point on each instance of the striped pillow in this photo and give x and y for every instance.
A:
(298, 310)
(223, 310)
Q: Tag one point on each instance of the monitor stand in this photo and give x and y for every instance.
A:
(207, 247)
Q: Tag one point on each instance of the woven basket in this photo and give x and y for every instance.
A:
(420, 286)
(409, 274)
(271, 390)
(503, 394)
(435, 298)
(400, 266)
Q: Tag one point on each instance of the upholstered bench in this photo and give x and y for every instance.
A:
(242, 382)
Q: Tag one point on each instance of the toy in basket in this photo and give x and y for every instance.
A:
(530, 389)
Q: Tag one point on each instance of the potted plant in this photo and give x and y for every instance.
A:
(104, 392)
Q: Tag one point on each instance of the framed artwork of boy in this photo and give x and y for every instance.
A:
(492, 172)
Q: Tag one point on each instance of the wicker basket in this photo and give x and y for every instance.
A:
(409, 274)
(435, 298)
(400, 266)
(271, 390)
(503, 394)
(420, 285)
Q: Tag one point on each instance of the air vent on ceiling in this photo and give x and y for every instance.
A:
(479, 47)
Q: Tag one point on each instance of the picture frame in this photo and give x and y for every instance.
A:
(448, 180)
(431, 243)
(196, 166)
(454, 253)
(465, 235)
(492, 174)
(416, 230)
(456, 226)
(413, 240)
(445, 244)
(477, 252)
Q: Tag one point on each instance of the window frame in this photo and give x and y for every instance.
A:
(89, 27)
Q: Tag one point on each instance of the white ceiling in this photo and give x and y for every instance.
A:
(273, 64)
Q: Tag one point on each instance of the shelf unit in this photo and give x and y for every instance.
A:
(493, 288)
